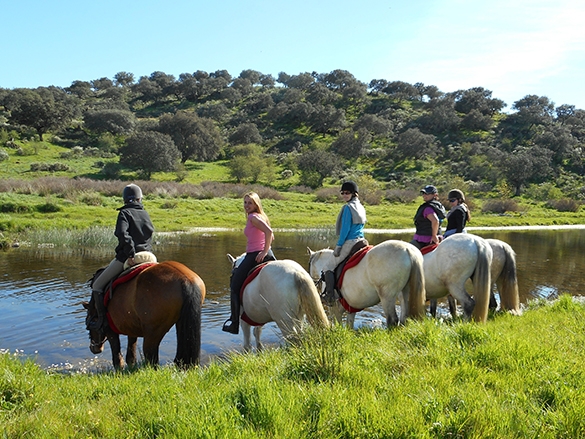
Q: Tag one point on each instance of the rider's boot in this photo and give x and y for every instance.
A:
(330, 295)
(98, 298)
(232, 325)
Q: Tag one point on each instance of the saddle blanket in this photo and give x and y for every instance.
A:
(251, 276)
(124, 277)
(352, 262)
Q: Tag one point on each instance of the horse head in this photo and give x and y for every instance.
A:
(320, 261)
(236, 261)
(97, 338)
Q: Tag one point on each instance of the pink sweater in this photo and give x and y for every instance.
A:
(256, 238)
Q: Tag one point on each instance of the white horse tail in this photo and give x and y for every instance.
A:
(310, 300)
(482, 281)
(416, 285)
(508, 281)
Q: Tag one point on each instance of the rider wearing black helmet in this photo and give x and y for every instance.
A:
(134, 231)
(349, 229)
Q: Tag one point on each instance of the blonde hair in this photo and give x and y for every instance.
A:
(256, 200)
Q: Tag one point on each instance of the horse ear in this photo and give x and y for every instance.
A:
(231, 258)
(309, 251)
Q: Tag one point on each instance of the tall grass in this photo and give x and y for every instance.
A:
(511, 377)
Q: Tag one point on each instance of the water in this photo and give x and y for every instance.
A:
(41, 289)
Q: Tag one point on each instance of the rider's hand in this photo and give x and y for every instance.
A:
(337, 251)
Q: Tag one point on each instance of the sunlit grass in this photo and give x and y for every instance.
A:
(427, 379)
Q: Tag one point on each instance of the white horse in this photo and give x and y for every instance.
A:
(503, 274)
(283, 292)
(461, 257)
(389, 271)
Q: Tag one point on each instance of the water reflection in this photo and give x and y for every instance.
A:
(41, 289)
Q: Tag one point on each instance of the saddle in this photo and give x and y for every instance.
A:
(124, 277)
(356, 254)
(340, 269)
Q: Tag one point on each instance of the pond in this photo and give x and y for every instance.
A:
(41, 289)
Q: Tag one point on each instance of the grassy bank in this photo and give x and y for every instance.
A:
(428, 379)
(22, 213)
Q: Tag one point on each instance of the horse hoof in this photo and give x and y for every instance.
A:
(231, 327)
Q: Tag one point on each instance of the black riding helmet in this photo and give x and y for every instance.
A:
(349, 186)
(132, 193)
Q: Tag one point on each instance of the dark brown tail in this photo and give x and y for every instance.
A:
(189, 326)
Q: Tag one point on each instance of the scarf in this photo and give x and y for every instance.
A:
(358, 214)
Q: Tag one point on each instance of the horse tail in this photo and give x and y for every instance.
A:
(189, 324)
(482, 281)
(416, 285)
(310, 300)
(508, 282)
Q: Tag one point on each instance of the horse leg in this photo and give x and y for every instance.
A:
(246, 332)
(257, 334)
(150, 347)
(350, 320)
(467, 302)
(337, 310)
(452, 306)
(114, 340)
(131, 351)
(433, 307)
(389, 307)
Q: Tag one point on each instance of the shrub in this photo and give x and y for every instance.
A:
(91, 199)
(169, 204)
(327, 195)
(401, 195)
(300, 189)
(500, 206)
(10, 207)
(48, 207)
(564, 205)
(3, 155)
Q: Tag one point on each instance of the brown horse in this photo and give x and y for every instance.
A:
(147, 306)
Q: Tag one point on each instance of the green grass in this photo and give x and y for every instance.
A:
(425, 380)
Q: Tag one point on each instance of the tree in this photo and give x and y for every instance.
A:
(479, 99)
(373, 124)
(327, 119)
(414, 144)
(248, 163)
(150, 152)
(43, 109)
(527, 165)
(196, 138)
(124, 79)
(112, 121)
(316, 165)
(81, 89)
(246, 133)
(350, 144)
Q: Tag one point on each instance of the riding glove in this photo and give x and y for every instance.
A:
(337, 251)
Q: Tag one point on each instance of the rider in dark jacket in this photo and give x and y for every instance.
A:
(134, 231)
(459, 214)
(428, 217)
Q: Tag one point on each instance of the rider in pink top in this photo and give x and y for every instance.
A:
(256, 237)
(258, 250)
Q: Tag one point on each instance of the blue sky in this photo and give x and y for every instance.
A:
(511, 47)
